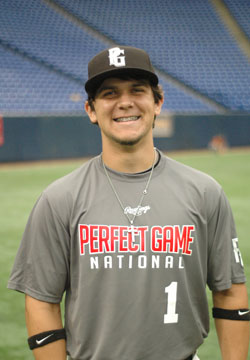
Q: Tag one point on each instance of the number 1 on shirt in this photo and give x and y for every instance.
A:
(171, 317)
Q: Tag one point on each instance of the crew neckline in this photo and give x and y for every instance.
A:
(133, 176)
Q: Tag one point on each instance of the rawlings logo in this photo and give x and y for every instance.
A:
(139, 210)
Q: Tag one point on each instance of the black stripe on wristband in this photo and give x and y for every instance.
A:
(239, 314)
(45, 338)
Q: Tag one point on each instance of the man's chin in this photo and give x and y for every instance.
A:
(128, 142)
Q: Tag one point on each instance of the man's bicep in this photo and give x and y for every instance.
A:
(41, 316)
(234, 298)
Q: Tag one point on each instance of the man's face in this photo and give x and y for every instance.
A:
(124, 111)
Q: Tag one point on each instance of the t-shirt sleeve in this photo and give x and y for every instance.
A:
(225, 265)
(41, 266)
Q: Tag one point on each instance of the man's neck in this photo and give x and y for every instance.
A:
(129, 159)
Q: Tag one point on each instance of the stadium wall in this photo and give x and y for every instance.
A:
(30, 138)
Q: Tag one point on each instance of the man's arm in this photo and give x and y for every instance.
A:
(233, 335)
(42, 316)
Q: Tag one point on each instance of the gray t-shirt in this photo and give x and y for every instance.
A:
(130, 295)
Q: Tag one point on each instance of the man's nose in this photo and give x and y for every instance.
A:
(125, 101)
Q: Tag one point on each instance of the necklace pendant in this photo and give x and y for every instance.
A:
(131, 230)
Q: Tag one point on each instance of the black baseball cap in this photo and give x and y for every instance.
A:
(119, 60)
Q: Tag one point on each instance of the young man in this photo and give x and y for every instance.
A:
(133, 238)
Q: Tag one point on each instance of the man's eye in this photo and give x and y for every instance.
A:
(138, 90)
(108, 93)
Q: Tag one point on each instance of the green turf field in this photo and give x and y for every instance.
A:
(19, 188)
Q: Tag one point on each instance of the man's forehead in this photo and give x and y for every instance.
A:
(116, 82)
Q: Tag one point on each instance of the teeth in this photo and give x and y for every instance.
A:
(124, 119)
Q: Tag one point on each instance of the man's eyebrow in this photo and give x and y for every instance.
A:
(113, 87)
(140, 83)
(105, 87)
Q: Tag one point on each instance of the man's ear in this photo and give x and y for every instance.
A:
(91, 112)
(158, 106)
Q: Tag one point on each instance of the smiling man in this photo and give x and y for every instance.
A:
(125, 107)
(132, 238)
(125, 112)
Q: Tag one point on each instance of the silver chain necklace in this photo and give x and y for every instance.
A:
(145, 191)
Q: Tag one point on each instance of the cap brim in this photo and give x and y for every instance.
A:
(93, 84)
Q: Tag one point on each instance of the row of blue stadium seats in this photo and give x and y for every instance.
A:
(185, 39)
(35, 28)
(30, 88)
(207, 60)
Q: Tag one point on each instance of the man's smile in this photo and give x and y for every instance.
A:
(127, 118)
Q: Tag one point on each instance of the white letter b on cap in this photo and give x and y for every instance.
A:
(115, 58)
